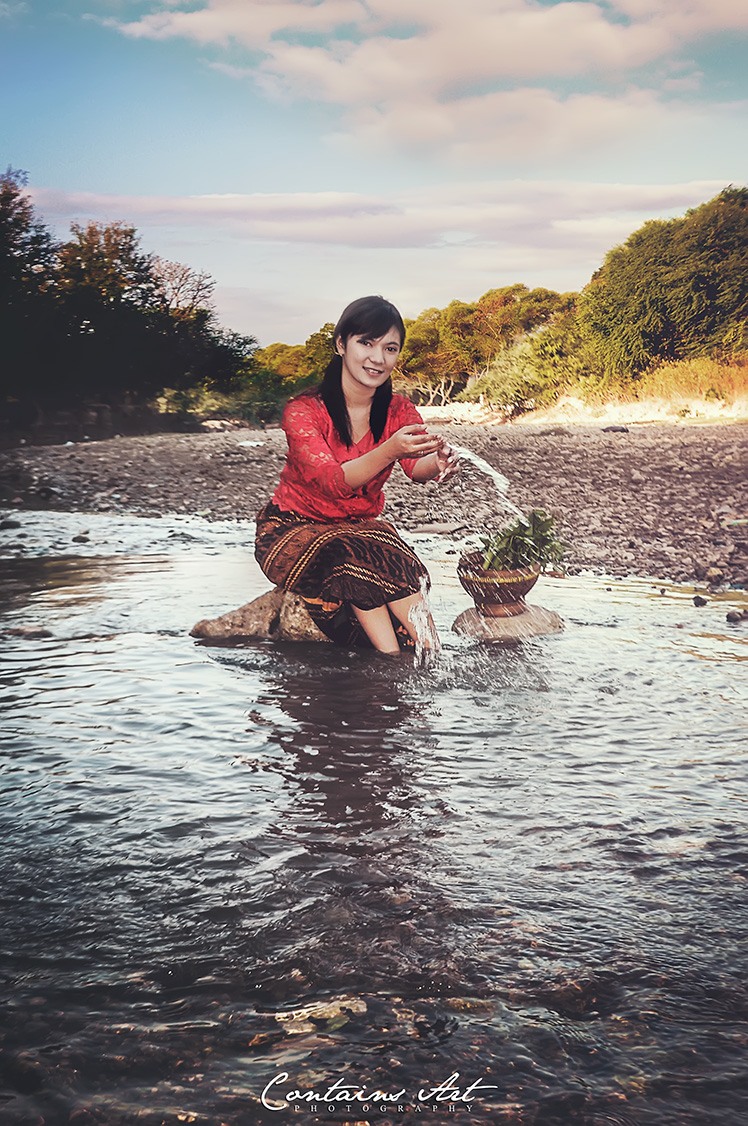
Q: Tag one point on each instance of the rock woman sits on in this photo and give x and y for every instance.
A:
(320, 536)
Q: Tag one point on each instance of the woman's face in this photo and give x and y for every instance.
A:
(369, 361)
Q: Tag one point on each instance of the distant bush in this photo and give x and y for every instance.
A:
(702, 378)
(676, 289)
(259, 399)
(512, 382)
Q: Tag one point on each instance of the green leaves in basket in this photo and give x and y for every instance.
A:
(523, 543)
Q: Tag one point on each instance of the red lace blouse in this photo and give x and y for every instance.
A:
(312, 481)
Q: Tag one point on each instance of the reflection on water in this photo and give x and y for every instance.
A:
(524, 865)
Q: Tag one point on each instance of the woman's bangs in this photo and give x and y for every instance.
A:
(372, 317)
(375, 326)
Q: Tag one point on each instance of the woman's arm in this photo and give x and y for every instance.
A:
(408, 441)
(313, 460)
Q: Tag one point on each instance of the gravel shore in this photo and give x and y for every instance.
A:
(664, 501)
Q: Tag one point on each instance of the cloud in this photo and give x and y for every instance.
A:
(252, 23)
(532, 124)
(388, 48)
(458, 53)
(286, 263)
(548, 214)
(231, 71)
(475, 81)
(687, 19)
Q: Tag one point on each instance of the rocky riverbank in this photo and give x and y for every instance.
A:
(664, 500)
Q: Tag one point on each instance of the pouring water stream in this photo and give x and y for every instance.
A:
(499, 480)
(419, 613)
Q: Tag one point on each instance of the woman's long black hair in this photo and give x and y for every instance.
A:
(367, 316)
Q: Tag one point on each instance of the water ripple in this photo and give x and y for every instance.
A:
(524, 864)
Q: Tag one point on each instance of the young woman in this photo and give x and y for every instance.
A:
(320, 535)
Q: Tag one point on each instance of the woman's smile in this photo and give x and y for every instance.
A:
(368, 362)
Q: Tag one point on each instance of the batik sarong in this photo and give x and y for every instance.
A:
(335, 564)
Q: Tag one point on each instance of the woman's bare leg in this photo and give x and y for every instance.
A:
(403, 608)
(377, 625)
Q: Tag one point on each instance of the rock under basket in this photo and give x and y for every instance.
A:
(497, 594)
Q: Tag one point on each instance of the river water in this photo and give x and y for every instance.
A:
(527, 866)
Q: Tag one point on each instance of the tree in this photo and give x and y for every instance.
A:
(446, 349)
(181, 289)
(420, 357)
(227, 358)
(319, 349)
(27, 306)
(511, 381)
(562, 356)
(118, 338)
(284, 360)
(27, 250)
(537, 364)
(97, 317)
(496, 319)
(440, 351)
(503, 316)
(458, 349)
(676, 288)
(103, 264)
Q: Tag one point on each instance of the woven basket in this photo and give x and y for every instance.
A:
(497, 594)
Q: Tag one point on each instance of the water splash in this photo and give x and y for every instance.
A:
(499, 480)
(419, 615)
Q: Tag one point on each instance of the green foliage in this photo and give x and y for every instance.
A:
(422, 363)
(280, 371)
(445, 348)
(297, 366)
(317, 353)
(523, 543)
(675, 289)
(97, 317)
(503, 316)
(511, 382)
(27, 303)
(284, 360)
(565, 361)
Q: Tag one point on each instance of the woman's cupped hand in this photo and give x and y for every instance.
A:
(447, 461)
(413, 441)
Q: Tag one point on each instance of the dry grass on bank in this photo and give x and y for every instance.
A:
(689, 391)
(700, 390)
(702, 378)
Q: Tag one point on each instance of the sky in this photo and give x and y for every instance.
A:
(307, 152)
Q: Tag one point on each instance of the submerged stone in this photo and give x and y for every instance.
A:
(276, 615)
(534, 622)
